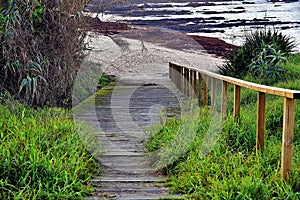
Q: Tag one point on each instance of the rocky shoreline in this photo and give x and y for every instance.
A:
(222, 19)
(174, 40)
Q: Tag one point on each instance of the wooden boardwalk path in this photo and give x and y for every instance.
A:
(122, 115)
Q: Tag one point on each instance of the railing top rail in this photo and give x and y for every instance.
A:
(292, 94)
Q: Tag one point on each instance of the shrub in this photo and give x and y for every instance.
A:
(261, 54)
(265, 63)
(41, 48)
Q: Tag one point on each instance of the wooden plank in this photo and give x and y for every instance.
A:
(224, 99)
(213, 92)
(237, 101)
(199, 87)
(260, 120)
(205, 100)
(287, 137)
(293, 94)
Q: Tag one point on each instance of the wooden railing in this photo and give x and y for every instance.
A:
(189, 81)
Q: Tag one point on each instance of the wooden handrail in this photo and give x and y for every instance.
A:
(185, 78)
(292, 94)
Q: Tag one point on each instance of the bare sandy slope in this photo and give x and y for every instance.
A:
(128, 57)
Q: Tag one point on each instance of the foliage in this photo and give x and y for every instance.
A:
(41, 155)
(41, 48)
(265, 64)
(104, 80)
(260, 55)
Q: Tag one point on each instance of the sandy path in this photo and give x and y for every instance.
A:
(128, 57)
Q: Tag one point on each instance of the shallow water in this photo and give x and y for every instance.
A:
(226, 20)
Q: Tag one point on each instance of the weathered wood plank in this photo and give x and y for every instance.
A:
(126, 170)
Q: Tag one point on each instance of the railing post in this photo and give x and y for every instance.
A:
(185, 80)
(188, 83)
(170, 71)
(224, 99)
(213, 93)
(177, 76)
(191, 83)
(199, 87)
(260, 120)
(237, 101)
(195, 83)
(181, 79)
(287, 137)
(205, 101)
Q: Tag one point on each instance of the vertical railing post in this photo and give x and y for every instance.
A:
(195, 83)
(224, 99)
(260, 120)
(237, 101)
(191, 83)
(213, 93)
(199, 87)
(188, 83)
(205, 101)
(177, 76)
(181, 79)
(185, 80)
(287, 137)
(170, 71)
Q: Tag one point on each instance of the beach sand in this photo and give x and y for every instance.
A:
(120, 56)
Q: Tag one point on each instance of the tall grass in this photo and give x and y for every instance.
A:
(232, 169)
(41, 155)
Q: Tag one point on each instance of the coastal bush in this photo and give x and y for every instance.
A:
(42, 156)
(260, 55)
(42, 44)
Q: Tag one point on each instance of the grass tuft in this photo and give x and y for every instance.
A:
(42, 156)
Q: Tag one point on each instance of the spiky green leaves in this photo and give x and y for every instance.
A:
(260, 55)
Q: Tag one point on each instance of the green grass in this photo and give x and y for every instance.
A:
(221, 163)
(42, 156)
